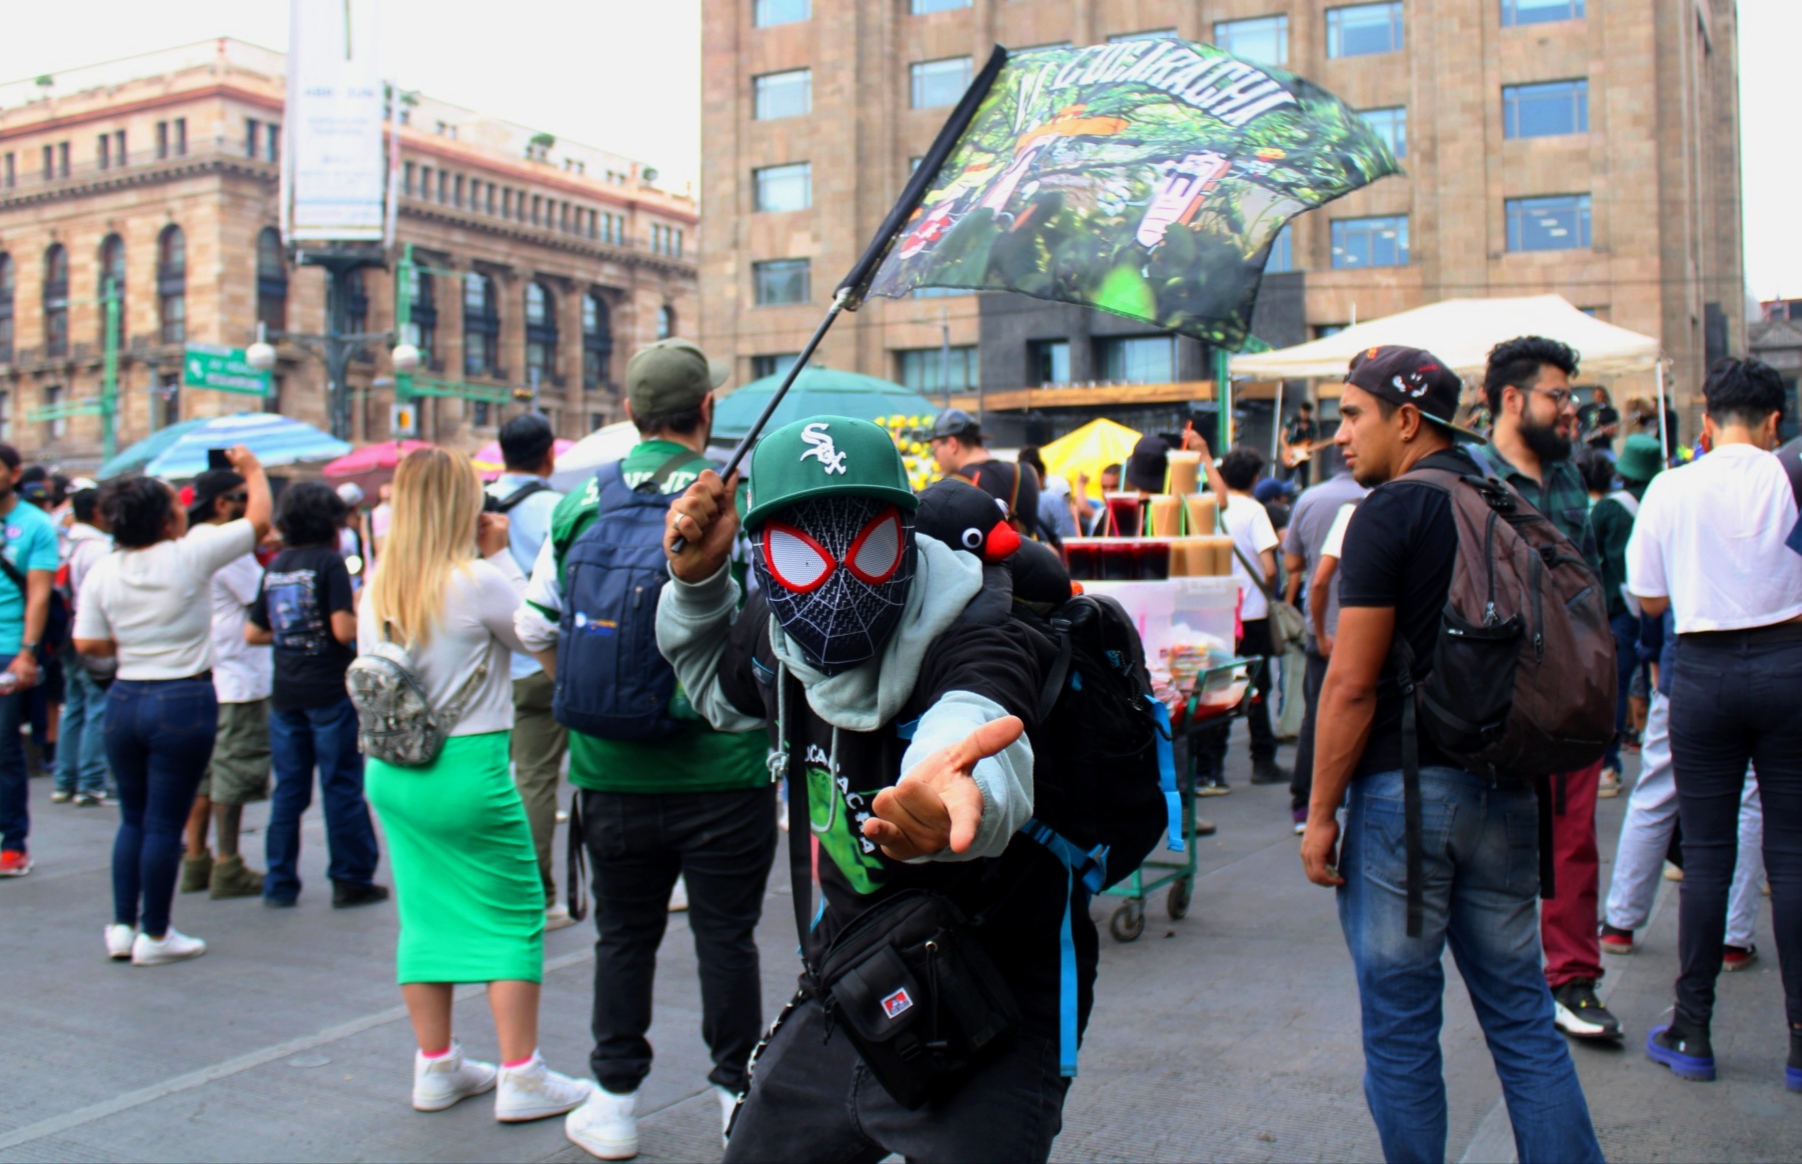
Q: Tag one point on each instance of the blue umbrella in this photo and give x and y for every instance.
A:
(179, 451)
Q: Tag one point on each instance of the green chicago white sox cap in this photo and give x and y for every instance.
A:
(821, 457)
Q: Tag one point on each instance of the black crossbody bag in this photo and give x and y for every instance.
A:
(906, 979)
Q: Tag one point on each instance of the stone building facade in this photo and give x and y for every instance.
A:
(1583, 147)
(163, 172)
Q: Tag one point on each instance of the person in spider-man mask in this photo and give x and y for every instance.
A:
(901, 704)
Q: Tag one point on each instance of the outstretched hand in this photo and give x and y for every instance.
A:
(937, 805)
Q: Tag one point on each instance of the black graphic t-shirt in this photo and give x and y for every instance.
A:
(301, 590)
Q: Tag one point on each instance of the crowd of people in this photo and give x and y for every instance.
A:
(683, 645)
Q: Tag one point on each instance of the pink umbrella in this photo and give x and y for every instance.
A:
(490, 463)
(371, 466)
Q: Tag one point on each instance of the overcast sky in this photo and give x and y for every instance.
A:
(624, 75)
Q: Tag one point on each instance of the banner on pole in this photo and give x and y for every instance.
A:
(1147, 178)
(337, 163)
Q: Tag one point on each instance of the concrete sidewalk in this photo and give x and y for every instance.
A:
(1230, 1035)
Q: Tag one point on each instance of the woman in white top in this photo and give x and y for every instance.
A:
(148, 605)
(470, 897)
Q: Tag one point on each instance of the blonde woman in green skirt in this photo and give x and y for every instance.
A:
(466, 876)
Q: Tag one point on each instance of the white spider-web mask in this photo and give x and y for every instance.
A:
(836, 572)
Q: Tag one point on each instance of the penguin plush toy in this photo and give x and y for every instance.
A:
(966, 518)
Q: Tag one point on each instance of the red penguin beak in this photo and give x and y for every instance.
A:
(1001, 542)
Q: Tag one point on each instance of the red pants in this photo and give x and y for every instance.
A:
(1567, 922)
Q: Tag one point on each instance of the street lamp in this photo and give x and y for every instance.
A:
(405, 357)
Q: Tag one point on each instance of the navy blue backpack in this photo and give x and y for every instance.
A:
(612, 682)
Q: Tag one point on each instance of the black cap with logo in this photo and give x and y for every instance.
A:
(1411, 376)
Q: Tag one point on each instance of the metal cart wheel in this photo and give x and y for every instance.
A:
(1128, 921)
(1177, 901)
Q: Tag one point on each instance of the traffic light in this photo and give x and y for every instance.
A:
(522, 395)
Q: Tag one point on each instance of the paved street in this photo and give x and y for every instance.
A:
(1230, 1035)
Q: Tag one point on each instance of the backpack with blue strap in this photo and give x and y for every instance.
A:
(612, 682)
(1104, 775)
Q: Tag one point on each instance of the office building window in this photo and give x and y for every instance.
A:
(772, 12)
(928, 370)
(9, 172)
(356, 308)
(457, 192)
(776, 95)
(1547, 110)
(1282, 251)
(162, 140)
(1559, 223)
(6, 416)
(103, 151)
(422, 323)
(56, 301)
(1370, 242)
(541, 333)
(479, 412)
(666, 322)
(172, 285)
(1148, 34)
(921, 7)
(1139, 359)
(272, 136)
(180, 145)
(1263, 40)
(112, 280)
(6, 308)
(780, 188)
(775, 365)
(1540, 11)
(1364, 29)
(168, 401)
(1391, 125)
(1049, 361)
(782, 281)
(481, 326)
(62, 159)
(937, 83)
(597, 340)
(407, 172)
(272, 280)
(253, 136)
(56, 427)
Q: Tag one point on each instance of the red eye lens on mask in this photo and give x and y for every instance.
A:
(801, 564)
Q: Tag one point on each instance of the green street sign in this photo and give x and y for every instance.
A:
(222, 370)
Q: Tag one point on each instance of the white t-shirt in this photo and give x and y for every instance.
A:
(1710, 537)
(156, 602)
(241, 673)
(1249, 523)
(1334, 545)
(477, 624)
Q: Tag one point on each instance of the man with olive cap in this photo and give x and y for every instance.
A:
(901, 705)
(697, 804)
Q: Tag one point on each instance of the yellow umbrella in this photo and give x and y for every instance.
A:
(1088, 451)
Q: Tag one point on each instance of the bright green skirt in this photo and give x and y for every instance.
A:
(465, 874)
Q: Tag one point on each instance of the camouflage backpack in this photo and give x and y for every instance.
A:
(396, 722)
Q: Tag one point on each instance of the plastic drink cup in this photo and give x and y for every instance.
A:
(1185, 472)
(1166, 515)
(1201, 514)
(1124, 514)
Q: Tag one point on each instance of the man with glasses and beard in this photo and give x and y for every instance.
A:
(1528, 385)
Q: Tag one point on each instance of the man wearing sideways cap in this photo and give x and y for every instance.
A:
(1479, 884)
(697, 803)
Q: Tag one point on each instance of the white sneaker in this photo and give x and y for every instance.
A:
(534, 1091)
(678, 898)
(728, 1105)
(439, 1083)
(174, 946)
(119, 940)
(606, 1127)
(557, 917)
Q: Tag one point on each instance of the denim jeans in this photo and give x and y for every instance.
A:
(1736, 698)
(81, 753)
(15, 791)
(326, 738)
(159, 737)
(722, 843)
(1480, 866)
(812, 1098)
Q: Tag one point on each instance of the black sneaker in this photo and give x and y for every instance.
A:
(1689, 1056)
(1792, 1071)
(350, 894)
(1268, 771)
(1580, 1014)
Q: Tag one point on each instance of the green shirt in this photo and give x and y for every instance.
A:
(1613, 526)
(695, 759)
(1561, 497)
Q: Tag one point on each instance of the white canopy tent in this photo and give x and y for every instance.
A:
(1461, 332)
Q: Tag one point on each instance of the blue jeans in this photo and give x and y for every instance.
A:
(1480, 866)
(326, 738)
(159, 737)
(81, 757)
(1626, 662)
(15, 792)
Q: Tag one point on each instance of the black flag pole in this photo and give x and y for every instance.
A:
(850, 291)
